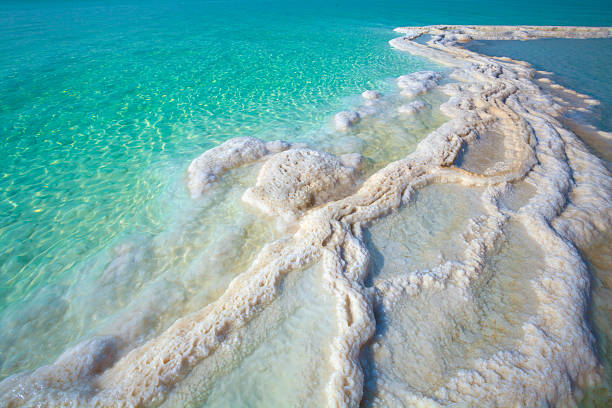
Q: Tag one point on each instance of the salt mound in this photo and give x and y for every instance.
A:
(411, 108)
(345, 120)
(371, 94)
(298, 179)
(207, 167)
(418, 83)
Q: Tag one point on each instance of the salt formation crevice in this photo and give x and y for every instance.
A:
(553, 355)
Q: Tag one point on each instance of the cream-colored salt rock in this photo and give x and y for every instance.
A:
(298, 179)
(371, 94)
(411, 108)
(345, 120)
(207, 167)
(418, 83)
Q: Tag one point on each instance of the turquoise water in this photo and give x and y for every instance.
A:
(104, 107)
(104, 104)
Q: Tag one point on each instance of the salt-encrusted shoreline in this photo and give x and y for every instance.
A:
(451, 33)
(573, 204)
(554, 355)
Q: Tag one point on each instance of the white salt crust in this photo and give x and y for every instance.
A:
(411, 108)
(371, 94)
(418, 83)
(210, 165)
(554, 352)
(297, 179)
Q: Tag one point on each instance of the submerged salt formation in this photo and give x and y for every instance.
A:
(418, 83)
(371, 94)
(345, 120)
(411, 108)
(528, 343)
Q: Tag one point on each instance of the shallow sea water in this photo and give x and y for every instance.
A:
(104, 105)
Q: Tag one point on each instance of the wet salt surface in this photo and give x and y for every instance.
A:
(280, 358)
(484, 153)
(582, 66)
(599, 259)
(424, 233)
(588, 74)
(423, 340)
